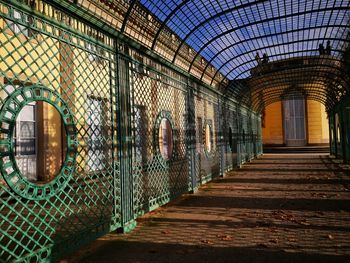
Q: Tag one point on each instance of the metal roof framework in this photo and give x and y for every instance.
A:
(227, 35)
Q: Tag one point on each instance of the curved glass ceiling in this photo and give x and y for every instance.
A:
(228, 34)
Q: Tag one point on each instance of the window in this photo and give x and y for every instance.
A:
(338, 133)
(208, 135)
(25, 138)
(165, 139)
(199, 134)
(331, 135)
(96, 129)
(37, 160)
(33, 153)
(140, 132)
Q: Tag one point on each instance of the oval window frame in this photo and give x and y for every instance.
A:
(8, 165)
(164, 115)
(209, 154)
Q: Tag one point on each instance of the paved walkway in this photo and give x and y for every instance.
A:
(279, 208)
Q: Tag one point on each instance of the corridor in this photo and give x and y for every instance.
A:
(133, 116)
(278, 208)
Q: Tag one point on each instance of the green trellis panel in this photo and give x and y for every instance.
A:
(230, 136)
(207, 116)
(112, 100)
(156, 93)
(66, 63)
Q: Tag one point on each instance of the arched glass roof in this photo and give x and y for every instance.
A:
(227, 36)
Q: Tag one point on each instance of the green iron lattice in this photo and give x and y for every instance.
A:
(47, 56)
(113, 170)
(9, 169)
(167, 116)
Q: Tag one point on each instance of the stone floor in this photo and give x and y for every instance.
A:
(279, 208)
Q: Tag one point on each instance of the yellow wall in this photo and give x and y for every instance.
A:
(273, 131)
(67, 69)
(317, 123)
(27, 61)
(325, 125)
(49, 158)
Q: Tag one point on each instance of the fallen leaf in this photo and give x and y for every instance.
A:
(207, 242)
(303, 223)
(330, 237)
(226, 238)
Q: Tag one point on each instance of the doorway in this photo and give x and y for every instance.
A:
(294, 122)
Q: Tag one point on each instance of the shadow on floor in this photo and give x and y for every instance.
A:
(145, 252)
(252, 215)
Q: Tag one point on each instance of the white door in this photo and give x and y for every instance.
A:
(294, 122)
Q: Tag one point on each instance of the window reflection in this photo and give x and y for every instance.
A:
(165, 139)
(208, 138)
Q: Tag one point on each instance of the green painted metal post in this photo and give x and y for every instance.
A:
(191, 139)
(260, 135)
(125, 150)
(220, 136)
(343, 132)
(347, 133)
(330, 130)
(239, 146)
(340, 113)
(335, 136)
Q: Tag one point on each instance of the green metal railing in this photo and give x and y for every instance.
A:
(111, 99)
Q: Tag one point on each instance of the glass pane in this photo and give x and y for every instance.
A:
(28, 113)
(294, 120)
(165, 139)
(95, 122)
(25, 147)
(208, 138)
(39, 143)
(27, 129)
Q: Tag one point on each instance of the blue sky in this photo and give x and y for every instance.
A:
(230, 36)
